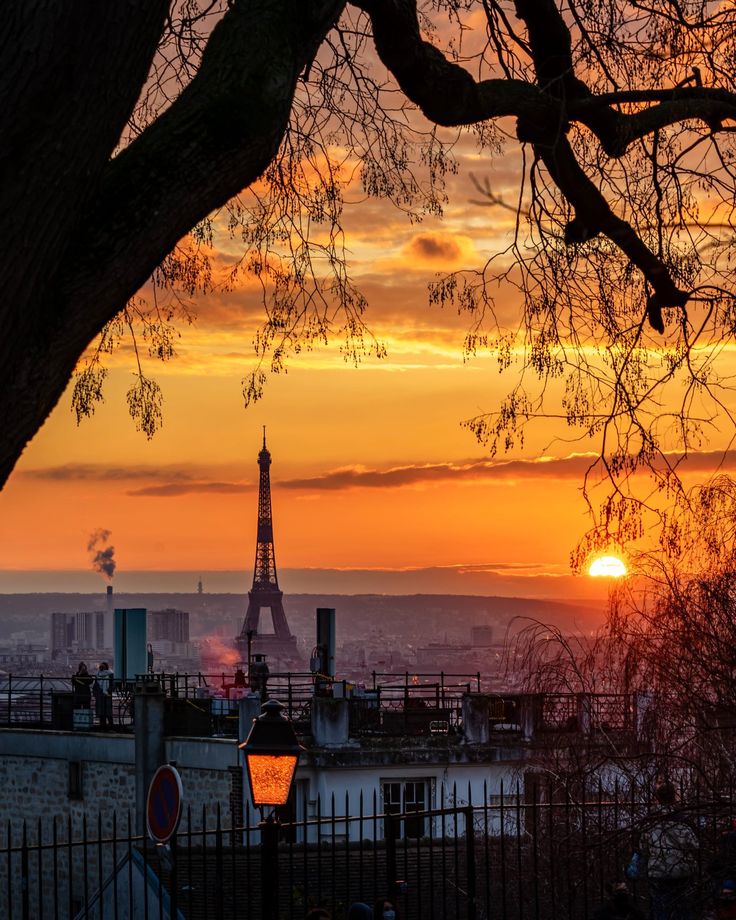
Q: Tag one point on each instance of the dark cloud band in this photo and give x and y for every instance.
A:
(169, 490)
(167, 482)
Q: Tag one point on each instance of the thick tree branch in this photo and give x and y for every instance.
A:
(216, 139)
(445, 92)
(593, 215)
(551, 51)
(64, 101)
(54, 144)
(550, 46)
(710, 106)
(448, 94)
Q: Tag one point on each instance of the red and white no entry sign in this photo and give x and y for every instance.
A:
(163, 805)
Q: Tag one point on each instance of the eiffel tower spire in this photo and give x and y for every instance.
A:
(265, 593)
(264, 575)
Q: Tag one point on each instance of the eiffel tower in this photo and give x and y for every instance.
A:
(265, 593)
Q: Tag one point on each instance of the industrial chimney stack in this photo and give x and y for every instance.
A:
(109, 619)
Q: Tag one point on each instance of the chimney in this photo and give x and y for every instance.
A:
(109, 619)
(326, 640)
(322, 663)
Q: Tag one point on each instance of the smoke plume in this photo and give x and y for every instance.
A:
(102, 556)
(215, 652)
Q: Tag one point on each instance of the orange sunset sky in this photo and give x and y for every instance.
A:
(371, 467)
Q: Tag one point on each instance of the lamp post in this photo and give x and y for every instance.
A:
(271, 754)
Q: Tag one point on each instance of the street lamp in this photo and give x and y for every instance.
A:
(271, 754)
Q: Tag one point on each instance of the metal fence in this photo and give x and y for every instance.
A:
(46, 702)
(390, 704)
(531, 853)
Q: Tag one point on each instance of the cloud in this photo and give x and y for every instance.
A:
(86, 472)
(434, 247)
(362, 477)
(190, 488)
(414, 255)
(161, 481)
(100, 472)
(573, 467)
(173, 481)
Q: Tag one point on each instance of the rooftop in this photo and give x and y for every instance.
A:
(432, 709)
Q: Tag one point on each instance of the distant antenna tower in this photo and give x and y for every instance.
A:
(200, 587)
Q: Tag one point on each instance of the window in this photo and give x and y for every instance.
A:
(406, 796)
(76, 774)
(504, 811)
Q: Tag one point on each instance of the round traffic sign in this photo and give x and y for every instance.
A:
(163, 805)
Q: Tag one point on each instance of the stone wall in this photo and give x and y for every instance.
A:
(45, 774)
(61, 786)
(32, 789)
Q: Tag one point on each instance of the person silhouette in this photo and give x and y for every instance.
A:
(82, 687)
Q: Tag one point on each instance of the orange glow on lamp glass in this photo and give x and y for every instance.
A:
(270, 777)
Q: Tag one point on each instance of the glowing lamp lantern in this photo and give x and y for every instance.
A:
(271, 755)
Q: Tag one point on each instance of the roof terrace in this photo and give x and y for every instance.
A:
(387, 706)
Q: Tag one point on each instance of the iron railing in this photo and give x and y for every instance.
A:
(39, 702)
(390, 705)
(534, 852)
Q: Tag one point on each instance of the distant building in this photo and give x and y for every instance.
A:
(77, 632)
(447, 657)
(84, 632)
(481, 636)
(168, 635)
(169, 625)
(62, 632)
(21, 655)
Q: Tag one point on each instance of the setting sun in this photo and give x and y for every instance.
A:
(607, 566)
